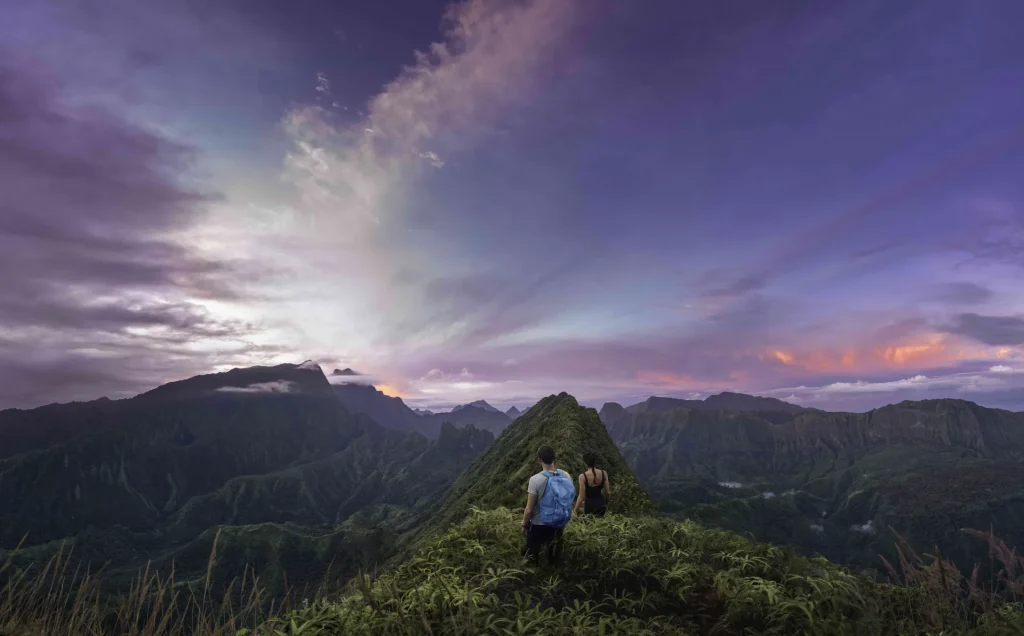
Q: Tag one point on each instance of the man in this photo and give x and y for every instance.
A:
(550, 495)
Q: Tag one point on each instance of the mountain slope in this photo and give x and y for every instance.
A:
(188, 457)
(833, 483)
(499, 475)
(392, 412)
(389, 412)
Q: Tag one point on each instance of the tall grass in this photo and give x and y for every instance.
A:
(55, 599)
(945, 599)
(618, 575)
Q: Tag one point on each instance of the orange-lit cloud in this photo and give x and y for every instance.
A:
(925, 351)
(921, 352)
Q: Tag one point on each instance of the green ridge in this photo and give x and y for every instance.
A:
(498, 476)
(627, 573)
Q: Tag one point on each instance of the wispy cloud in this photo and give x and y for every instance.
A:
(488, 60)
(276, 386)
(95, 274)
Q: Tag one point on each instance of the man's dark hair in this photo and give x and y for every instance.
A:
(546, 454)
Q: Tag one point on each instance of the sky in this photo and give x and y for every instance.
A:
(504, 199)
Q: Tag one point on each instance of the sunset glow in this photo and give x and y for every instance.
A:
(507, 199)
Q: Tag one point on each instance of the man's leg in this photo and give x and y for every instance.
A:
(555, 546)
(533, 542)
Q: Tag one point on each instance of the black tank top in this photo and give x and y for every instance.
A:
(594, 492)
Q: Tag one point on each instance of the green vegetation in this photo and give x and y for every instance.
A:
(841, 485)
(299, 486)
(355, 538)
(498, 476)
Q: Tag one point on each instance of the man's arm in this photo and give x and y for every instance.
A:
(531, 502)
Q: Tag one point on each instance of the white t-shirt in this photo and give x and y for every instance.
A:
(538, 484)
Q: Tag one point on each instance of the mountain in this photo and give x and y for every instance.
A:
(833, 483)
(480, 404)
(344, 372)
(513, 412)
(422, 412)
(489, 420)
(499, 475)
(655, 575)
(23, 430)
(619, 419)
(390, 412)
(250, 448)
(315, 494)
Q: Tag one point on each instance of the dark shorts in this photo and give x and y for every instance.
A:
(538, 536)
(596, 507)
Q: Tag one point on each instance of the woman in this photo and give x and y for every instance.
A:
(595, 489)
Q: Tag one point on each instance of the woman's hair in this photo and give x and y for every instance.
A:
(590, 459)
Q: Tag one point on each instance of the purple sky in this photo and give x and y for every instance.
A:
(505, 199)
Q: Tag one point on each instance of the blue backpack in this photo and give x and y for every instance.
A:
(556, 503)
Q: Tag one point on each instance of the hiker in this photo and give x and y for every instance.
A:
(595, 489)
(548, 507)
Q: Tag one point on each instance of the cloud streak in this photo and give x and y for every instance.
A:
(94, 272)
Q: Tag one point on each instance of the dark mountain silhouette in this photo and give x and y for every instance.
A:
(489, 420)
(513, 412)
(392, 412)
(389, 412)
(22, 430)
(344, 372)
(422, 412)
(480, 404)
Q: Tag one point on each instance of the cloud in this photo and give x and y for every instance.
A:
(275, 386)
(488, 60)
(998, 385)
(437, 375)
(962, 293)
(95, 275)
(992, 330)
(995, 234)
(1002, 368)
(864, 528)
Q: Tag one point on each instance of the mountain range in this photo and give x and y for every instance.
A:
(281, 452)
(277, 470)
(839, 484)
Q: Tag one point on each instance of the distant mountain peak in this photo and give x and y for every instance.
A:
(346, 371)
(309, 365)
(513, 412)
(480, 404)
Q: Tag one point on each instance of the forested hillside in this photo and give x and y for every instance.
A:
(268, 453)
(835, 483)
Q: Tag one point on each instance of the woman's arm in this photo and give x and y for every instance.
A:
(579, 499)
(607, 488)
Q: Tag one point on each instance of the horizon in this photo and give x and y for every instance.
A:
(495, 198)
(523, 404)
